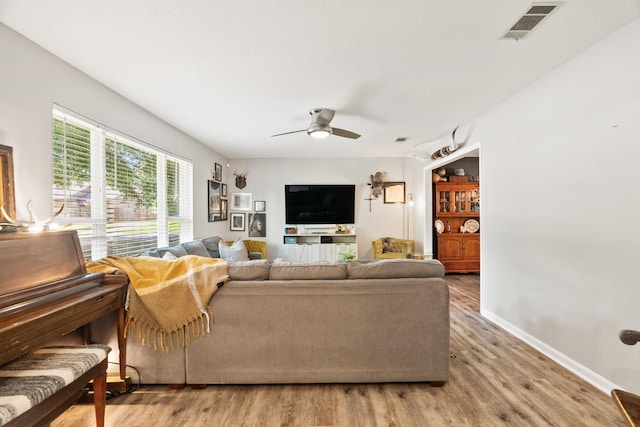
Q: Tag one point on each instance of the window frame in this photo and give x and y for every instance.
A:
(99, 134)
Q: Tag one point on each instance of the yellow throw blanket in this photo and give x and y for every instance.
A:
(167, 300)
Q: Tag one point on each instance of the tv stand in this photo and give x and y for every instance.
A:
(317, 246)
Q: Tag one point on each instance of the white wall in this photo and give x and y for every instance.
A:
(267, 177)
(32, 80)
(560, 205)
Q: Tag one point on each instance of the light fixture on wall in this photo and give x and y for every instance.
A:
(408, 209)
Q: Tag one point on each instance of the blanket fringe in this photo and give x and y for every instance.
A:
(169, 340)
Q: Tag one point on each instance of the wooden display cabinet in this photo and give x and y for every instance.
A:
(454, 204)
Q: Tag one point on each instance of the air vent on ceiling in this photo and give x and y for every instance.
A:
(531, 19)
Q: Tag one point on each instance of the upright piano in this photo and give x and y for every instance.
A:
(46, 292)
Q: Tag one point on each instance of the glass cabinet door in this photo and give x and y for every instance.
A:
(444, 198)
(453, 199)
(460, 201)
(474, 198)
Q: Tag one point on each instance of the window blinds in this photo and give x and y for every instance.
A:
(121, 195)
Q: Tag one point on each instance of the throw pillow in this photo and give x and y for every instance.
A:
(168, 256)
(178, 251)
(235, 252)
(386, 244)
(196, 247)
(211, 243)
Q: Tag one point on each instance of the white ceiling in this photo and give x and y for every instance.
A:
(230, 74)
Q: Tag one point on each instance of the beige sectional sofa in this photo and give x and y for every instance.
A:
(354, 322)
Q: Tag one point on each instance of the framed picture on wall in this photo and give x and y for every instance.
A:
(223, 210)
(260, 206)
(224, 190)
(394, 192)
(215, 201)
(241, 201)
(237, 221)
(7, 196)
(257, 225)
(217, 172)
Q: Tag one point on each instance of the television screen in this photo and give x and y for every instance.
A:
(320, 204)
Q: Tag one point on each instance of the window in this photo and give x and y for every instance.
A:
(121, 195)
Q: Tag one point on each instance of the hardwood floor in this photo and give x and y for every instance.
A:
(496, 380)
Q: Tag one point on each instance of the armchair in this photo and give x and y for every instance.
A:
(256, 246)
(257, 249)
(389, 247)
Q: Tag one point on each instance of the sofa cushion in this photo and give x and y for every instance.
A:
(249, 270)
(211, 243)
(235, 252)
(177, 250)
(307, 271)
(394, 268)
(151, 252)
(196, 247)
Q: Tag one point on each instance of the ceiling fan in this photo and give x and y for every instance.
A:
(319, 127)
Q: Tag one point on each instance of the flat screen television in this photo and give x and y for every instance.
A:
(320, 204)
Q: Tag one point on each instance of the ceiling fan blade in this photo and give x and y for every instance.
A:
(287, 133)
(323, 116)
(345, 133)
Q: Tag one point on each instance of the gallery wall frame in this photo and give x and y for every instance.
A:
(394, 192)
(260, 206)
(217, 172)
(214, 192)
(237, 221)
(257, 224)
(241, 201)
(7, 196)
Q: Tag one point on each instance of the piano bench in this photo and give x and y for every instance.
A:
(37, 387)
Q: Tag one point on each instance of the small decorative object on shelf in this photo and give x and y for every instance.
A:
(471, 225)
(33, 224)
(290, 230)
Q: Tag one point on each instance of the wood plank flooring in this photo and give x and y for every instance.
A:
(496, 380)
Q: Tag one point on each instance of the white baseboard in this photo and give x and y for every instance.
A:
(583, 372)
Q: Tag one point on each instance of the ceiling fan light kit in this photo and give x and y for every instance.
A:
(319, 131)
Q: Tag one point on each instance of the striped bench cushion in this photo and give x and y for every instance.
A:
(30, 379)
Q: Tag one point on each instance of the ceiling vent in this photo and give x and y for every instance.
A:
(531, 19)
